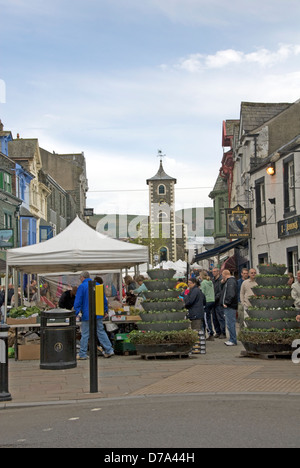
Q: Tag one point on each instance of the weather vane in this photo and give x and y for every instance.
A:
(161, 155)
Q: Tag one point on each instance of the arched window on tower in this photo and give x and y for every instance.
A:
(162, 190)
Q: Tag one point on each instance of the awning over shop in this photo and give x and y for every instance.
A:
(219, 250)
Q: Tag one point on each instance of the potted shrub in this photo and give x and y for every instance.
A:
(163, 304)
(164, 294)
(268, 341)
(160, 285)
(164, 342)
(272, 269)
(271, 327)
(164, 312)
(160, 274)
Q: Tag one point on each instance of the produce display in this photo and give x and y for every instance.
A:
(24, 312)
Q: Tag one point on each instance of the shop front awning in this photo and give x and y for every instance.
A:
(221, 249)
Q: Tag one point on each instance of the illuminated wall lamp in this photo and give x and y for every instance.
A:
(271, 169)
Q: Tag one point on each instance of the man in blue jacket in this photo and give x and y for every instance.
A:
(81, 304)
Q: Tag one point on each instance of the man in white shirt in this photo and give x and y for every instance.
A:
(246, 289)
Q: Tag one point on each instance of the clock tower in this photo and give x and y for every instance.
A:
(162, 222)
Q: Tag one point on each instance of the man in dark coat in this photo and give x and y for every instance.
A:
(229, 301)
(67, 299)
(195, 302)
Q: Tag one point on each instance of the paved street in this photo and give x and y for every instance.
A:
(218, 399)
(180, 421)
(221, 370)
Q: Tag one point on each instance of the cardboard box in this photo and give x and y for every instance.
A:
(30, 352)
(134, 318)
(27, 321)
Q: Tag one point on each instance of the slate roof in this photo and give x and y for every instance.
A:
(22, 148)
(255, 114)
(161, 175)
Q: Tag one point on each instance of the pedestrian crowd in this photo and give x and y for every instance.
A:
(216, 301)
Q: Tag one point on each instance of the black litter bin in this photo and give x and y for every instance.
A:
(58, 339)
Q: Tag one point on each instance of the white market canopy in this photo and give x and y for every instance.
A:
(78, 247)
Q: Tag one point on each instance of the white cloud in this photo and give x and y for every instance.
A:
(121, 119)
(224, 58)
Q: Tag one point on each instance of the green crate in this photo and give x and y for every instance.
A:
(122, 337)
(121, 347)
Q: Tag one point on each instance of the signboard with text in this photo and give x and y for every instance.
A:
(289, 227)
(238, 223)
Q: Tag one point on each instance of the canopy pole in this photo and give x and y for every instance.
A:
(121, 286)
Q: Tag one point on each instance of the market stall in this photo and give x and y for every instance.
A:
(77, 248)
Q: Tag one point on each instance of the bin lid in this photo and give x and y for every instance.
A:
(58, 313)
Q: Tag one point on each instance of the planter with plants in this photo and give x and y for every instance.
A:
(163, 312)
(160, 285)
(163, 304)
(272, 269)
(164, 325)
(160, 274)
(164, 342)
(161, 294)
(274, 314)
(271, 326)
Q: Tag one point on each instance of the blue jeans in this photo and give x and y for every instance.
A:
(102, 337)
(230, 317)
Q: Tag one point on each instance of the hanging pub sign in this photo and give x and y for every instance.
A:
(238, 223)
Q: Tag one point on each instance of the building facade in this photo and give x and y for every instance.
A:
(265, 173)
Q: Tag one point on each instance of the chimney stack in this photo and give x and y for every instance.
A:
(1, 126)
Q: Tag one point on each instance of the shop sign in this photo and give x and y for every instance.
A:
(289, 227)
(238, 223)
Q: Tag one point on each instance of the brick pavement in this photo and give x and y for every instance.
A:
(221, 370)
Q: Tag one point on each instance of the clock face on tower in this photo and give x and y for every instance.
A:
(162, 202)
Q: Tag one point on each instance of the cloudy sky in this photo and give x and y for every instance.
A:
(120, 79)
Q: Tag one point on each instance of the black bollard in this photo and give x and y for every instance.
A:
(93, 339)
(4, 393)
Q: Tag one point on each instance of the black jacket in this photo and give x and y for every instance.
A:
(195, 302)
(218, 289)
(229, 294)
